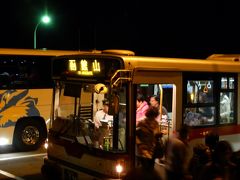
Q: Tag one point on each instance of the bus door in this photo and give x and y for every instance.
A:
(161, 89)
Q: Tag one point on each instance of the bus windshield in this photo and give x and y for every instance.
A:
(81, 114)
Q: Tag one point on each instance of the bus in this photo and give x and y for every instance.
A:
(201, 93)
(25, 96)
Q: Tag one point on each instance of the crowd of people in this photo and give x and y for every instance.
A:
(173, 159)
(176, 160)
(212, 160)
(143, 105)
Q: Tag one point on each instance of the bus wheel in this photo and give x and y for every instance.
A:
(29, 135)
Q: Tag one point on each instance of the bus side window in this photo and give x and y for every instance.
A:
(34, 77)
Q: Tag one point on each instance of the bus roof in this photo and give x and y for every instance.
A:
(225, 57)
(180, 64)
(214, 63)
(38, 52)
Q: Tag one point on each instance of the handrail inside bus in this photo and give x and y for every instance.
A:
(115, 83)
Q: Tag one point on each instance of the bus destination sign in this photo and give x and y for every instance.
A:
(84, 67)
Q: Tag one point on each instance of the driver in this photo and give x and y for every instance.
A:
(103, 121)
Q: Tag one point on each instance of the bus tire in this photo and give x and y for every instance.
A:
(29, 134)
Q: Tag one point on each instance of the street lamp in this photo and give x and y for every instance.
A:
(45, 20)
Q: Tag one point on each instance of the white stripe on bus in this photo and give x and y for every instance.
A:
(10, 175)
(20, 157)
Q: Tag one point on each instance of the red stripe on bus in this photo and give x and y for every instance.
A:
(220, 130)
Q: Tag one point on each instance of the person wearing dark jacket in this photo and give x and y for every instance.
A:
(221, 167)
(146, 132)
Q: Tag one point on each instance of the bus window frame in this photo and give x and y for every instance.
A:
(14, 61)
(216, 78)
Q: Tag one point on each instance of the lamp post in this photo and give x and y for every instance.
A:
(45, 20)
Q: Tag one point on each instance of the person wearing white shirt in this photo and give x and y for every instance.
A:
(103, 121)
(225, 108)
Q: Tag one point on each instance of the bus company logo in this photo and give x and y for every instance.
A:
(15, 104)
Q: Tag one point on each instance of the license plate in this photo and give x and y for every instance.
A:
(70, 175)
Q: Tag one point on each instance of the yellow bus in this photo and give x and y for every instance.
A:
(25, 96)
(201, 93)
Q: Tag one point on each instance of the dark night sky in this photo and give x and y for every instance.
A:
(184, 28)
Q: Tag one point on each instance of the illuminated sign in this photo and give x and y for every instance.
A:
(84, 67)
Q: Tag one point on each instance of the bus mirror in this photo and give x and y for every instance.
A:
(114, 105)
(100, 88)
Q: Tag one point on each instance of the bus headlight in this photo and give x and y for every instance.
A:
(3, 141)
(119, 168)
(46, 144)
